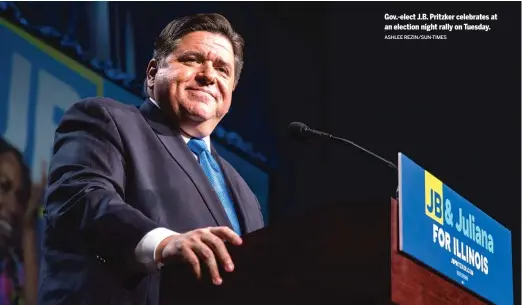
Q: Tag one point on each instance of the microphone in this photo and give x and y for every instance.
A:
(302, 131)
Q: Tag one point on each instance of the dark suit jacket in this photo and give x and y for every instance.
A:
(117, 173)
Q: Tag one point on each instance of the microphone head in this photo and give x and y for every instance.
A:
(300, 131)
(297, 127)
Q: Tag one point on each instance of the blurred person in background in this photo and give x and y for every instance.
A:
(19, 207)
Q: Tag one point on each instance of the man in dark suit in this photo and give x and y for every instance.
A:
(130, 189)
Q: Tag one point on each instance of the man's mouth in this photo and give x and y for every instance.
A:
(203, 91)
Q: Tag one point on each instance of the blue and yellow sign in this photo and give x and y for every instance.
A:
(443, 230)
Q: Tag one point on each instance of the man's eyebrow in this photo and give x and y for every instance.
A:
(191, 53)
(201, 56)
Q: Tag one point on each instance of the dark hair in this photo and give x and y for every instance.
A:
(168, 39)
(25, 191)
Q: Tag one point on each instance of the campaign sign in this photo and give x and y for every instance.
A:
(443, 230)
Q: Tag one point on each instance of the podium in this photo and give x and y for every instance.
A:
(345, 253)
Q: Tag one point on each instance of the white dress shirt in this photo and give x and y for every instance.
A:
(146, 249)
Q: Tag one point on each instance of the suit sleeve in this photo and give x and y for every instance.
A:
(85, 202)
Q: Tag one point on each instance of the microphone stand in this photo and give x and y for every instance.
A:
(389, 163)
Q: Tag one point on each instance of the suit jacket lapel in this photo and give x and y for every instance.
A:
(169, 135)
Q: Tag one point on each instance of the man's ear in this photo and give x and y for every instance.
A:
(152, 69)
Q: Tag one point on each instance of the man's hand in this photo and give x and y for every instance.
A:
(199, 246)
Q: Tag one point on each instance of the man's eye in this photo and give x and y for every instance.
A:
(222, 69)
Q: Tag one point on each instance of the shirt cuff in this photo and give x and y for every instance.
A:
(146, 249)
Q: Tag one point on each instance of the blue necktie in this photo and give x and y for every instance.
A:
(216, 178)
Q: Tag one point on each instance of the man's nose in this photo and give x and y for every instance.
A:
(207, 75)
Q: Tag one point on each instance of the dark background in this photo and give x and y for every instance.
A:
(453, 106)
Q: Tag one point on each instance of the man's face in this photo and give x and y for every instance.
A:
(10, 184)
(196, 81)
